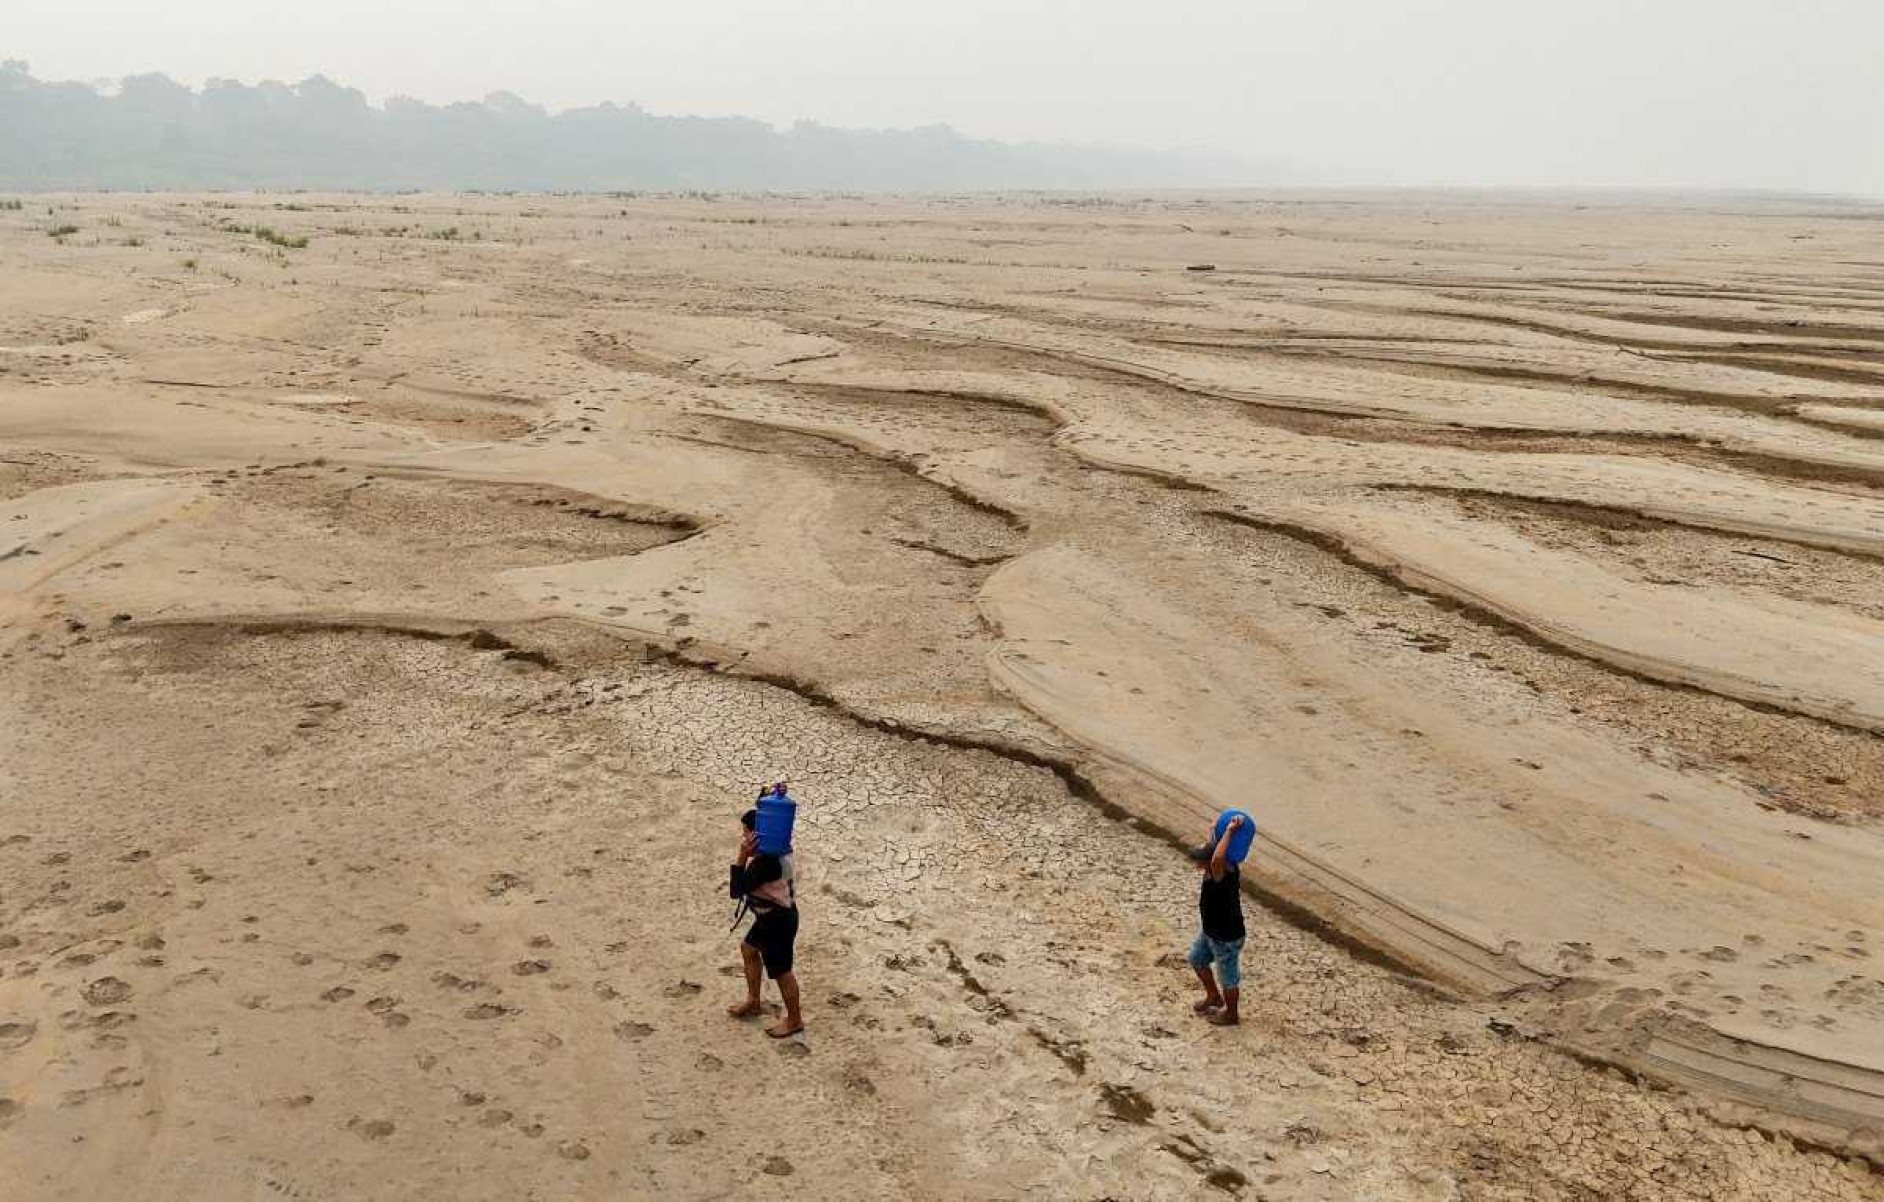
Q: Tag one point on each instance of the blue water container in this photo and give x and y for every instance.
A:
(777, 812)
(1240, 844)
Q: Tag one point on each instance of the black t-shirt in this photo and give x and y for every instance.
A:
(759, 870)
(1220, 904)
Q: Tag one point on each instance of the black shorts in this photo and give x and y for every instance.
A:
(772, 935)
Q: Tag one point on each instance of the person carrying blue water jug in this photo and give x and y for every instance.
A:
(762, 882)
(1217, 953)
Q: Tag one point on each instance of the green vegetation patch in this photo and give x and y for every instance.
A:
(270, 235)
(277, 238)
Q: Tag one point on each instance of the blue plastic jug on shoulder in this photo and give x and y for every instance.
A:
(777, 813)
(1240, 841)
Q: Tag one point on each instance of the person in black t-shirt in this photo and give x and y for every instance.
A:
(765, 885)
(1219, 944)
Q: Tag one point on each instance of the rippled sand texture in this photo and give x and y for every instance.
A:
(390, 627)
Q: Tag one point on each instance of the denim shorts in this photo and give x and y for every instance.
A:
(1226, 954)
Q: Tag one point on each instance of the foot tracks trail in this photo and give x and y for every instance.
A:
(391, 628)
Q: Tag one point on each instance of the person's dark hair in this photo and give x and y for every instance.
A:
(749, 819)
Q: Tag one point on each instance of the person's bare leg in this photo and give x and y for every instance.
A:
(749, 960)
(1227, 1016)
(793, 1022)
(1212, 999)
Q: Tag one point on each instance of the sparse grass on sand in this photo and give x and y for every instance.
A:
(270, 235)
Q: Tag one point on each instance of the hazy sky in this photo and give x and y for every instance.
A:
(1733, 93)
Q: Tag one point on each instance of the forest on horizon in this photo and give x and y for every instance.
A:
(151, 132)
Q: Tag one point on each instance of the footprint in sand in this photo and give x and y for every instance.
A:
(451, 980)
(501, 883)
(106, 991)
(1127, 1104)
(485, 1010)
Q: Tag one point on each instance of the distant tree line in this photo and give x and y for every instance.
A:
(152, 132)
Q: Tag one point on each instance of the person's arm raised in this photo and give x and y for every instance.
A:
(748, 847)
(1219, 855)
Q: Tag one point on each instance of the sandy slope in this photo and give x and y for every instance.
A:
(391, 629)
